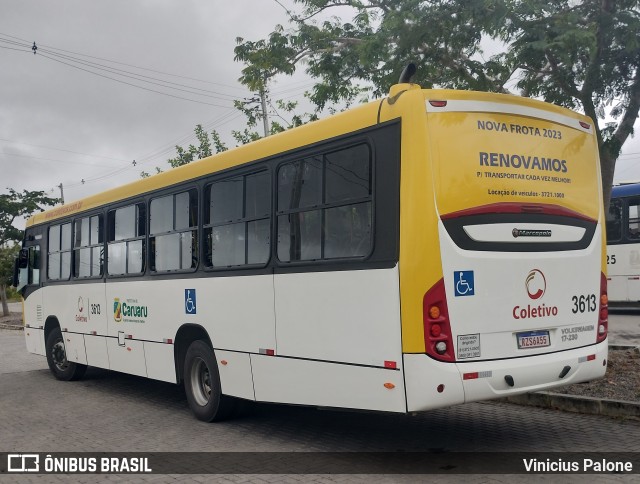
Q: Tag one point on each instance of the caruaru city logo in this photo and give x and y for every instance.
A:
(536, 286)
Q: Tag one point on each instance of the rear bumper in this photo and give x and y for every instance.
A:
(431, 384)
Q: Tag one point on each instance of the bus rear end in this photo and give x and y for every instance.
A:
(520, 304)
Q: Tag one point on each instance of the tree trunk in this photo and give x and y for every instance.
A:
(607, 169)
(3, 298)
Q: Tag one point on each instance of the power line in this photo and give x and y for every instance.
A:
(61, 149)
(125, 64)
(133, 75)
(135, 85)
(50, 159)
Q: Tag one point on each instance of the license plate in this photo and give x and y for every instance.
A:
(533, 339)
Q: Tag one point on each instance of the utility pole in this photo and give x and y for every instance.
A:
(263, 101)
(265, 120)
(61, 193)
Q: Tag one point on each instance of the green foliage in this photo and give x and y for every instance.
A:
(15, 205)
(581, 54)
(7, 258)
(193, 153)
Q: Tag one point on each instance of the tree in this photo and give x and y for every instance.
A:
(15, 206)
(253, 114)
(581, 54)
(192, 153)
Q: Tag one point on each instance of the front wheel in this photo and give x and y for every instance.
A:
(60, 366)
(202, 384)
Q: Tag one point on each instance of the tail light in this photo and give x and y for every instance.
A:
(437, 329)
(603, 314)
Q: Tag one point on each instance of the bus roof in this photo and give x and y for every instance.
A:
(627, 190)
(348, 121)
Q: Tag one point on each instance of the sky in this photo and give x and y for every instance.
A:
(60, 124)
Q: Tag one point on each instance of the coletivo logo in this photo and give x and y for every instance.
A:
(536, 284)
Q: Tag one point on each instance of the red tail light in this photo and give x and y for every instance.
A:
(437, 329)
(603, 314)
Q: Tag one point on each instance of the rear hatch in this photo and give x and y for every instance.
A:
(517, 191)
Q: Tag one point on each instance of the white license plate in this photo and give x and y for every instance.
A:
(533, 339)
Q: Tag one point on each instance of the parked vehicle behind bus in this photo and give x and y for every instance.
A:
(623, 245)
(428, 249)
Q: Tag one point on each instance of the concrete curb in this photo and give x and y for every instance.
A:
(577, 404)
(13, 327)
(581, 404)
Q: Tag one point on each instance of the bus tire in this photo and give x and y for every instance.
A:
(61, 368)
(202, 384)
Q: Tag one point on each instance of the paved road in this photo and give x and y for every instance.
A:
(624, 327)
(112, 412)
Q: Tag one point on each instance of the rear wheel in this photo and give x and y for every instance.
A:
(60, 366)
(202, 384)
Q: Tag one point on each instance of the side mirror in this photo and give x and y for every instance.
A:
(21, 270)
(23, 259)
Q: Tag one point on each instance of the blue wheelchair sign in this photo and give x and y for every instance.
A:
(190, 301)
(463, 283)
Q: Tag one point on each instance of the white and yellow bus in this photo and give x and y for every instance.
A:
(431, 248)
(623, 245)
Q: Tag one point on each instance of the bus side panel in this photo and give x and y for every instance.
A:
(341, 316)
(160, 361)
(97, 354)
(431, 384)
(78, 308)
(34, 338)
(74, 347)
(34, 323)
(235, 374)
(127, 358)
(624, 273)
(304, 382)
(236, 312)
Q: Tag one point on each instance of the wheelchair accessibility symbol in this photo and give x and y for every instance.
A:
(463, 283)
(190, 301)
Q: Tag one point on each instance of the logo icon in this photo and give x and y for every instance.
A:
(464, 285)
(23, 462)
(117, 310)
(80, 304)
(190, 301)
(536, 284)
(530, 233)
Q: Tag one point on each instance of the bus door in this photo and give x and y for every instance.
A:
(27, 279)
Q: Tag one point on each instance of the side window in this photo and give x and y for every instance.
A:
(126, 228)
(236, 221)
(34, 264)
(173, 232)
(59, 253)
(614, 221)
(633, 231)
(325, 206)
(88, 247)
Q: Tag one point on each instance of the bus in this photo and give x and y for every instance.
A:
(431, 248)
(623, 245)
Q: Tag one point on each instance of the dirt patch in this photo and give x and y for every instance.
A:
(620, 382)
(12, 321)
